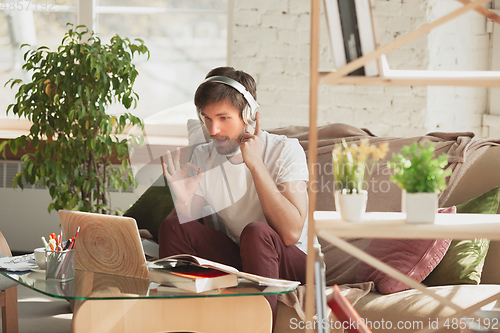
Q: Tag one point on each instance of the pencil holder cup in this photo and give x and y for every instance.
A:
(60, 265)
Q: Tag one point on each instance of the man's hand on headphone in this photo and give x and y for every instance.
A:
(251, 145)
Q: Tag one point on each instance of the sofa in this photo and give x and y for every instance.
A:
(475, 172)
(475, 175)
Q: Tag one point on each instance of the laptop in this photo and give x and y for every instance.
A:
(106, 243)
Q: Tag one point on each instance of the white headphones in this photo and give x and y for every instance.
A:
(249, 113)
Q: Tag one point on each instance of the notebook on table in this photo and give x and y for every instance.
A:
(106, 243)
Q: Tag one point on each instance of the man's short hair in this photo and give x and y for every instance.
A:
(209, 93)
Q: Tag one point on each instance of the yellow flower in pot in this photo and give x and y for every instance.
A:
(352, 168)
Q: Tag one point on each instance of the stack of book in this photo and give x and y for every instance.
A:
(352, 31)
(194, 274)
(189, 277)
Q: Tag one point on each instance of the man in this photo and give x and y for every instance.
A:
(255, 181)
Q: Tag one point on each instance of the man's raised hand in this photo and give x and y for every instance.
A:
(183, 185)
(251, 145)
(257, 125)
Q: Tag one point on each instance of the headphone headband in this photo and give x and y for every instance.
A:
(252, 104)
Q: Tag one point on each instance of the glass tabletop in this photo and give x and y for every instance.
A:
(91, 285)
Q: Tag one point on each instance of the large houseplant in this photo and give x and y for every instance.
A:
(75, 142)
(422, 176)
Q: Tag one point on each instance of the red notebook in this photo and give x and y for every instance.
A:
(200, 274)
(346, 314)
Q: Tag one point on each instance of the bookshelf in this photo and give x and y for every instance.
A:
(388, 77)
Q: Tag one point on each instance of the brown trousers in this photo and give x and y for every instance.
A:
(261, 250)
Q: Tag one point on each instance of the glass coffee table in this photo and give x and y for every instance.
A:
(112, 303)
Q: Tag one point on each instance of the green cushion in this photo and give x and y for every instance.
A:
(464, 260)
(152, 207)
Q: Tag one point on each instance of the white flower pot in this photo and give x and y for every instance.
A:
(420, 207)
(352, 207)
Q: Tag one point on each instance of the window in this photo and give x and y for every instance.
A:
(186, 39)
(35, 22)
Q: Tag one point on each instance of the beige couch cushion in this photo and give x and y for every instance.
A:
(411, 306)
(491, 269)
(482, 176)
(341, 268)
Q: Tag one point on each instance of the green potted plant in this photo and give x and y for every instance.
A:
(421, 175)
(351, 169)
(75, 142)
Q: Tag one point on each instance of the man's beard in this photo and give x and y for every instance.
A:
(229, 147)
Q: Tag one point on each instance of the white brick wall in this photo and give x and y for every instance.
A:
(461, 44)
(271, 42)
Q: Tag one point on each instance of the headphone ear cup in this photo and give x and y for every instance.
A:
(247, 115)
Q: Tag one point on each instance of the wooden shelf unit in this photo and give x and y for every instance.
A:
(390, 225)
(418, 78)
(387, 78)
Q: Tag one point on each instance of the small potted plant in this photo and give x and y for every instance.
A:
(352, 168)
(421, 176)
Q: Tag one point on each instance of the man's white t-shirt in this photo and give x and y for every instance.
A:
(229, 189)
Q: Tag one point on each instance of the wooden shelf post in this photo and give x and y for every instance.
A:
(312, 158)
